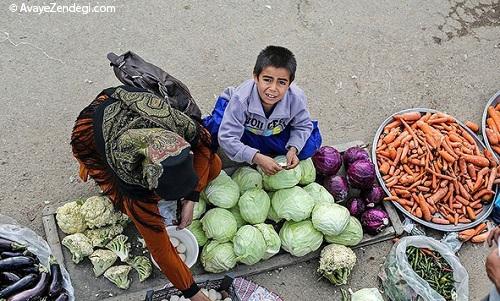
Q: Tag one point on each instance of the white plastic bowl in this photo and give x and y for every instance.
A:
(187, 238)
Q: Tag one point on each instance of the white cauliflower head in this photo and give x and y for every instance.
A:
(79, 246)
(98, 211)
(102, 260)
(69, 217)
(336, 263)
(119, 275)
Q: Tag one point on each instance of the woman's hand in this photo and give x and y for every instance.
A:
(268, 165)
(186, 214)
(199, 297)
(291, 158)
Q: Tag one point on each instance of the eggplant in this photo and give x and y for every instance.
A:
(16, 263)
(8, 278)
(56, 278)
(34, 293)
(26, 253)
(23, 284)
(9, 245)
(64, 296)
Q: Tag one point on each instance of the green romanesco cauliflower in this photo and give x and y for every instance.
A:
(121, 219)
(142, 265)
(119, 275)
(98, 211)
(120, 246)
(101, 236)
(69, 217)
(336, 263)
(102, 260)
(79, 246)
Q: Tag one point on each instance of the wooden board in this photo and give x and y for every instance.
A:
(86, 285)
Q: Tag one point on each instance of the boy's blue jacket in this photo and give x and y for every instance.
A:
(244, 112)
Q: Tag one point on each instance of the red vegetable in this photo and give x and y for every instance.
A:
(327, 160)
(356, 206)
(354, 154)
(374, 220)
(373, 196)
(337, 186)
(361, 174)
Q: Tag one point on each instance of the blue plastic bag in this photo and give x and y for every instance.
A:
(495, 214)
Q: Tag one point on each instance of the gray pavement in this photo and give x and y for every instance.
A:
(358, 61)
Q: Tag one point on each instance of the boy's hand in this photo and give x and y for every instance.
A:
(493, 237)
(493, 268)
(268, 165)
(291, 158)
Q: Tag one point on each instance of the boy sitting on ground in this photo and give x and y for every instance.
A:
(266, 116)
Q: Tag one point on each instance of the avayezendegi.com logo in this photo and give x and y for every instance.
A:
(53, 7)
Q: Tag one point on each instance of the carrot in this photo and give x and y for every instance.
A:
(384, 168)
(392, 125)
(440, 120)
(479, 228)
(391, 136)
(494, 115)
(491, 135)
(471, 170)
(418, 212)
(476, 160)
(470, 213)
(496, 148)
(468, 137)
(438, 195)
(426, 213)
(441, 221)
(410, 116)
(445, 155)
(480, 238)
(464, 220)
(472, 125)
(462, 200)
(488, 155)
(497, 107)
(491, 124)
(484, 194)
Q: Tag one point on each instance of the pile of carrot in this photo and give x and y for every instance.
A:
(435, 169)
(479, 234)
(493, 127)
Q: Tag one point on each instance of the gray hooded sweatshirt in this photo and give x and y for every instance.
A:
(245, 113)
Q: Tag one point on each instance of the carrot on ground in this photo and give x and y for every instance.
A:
(480, 238)
(472, 125)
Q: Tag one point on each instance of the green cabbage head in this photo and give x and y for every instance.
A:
(254, 205)
(300, 238)
(286, 178)
(218, 257)
(237, 216)
(308, 172)
(247, 178)
(330, 219)
(200, 207)
(219, 224)
(273, 241)
(292, 204)
(351, 236)
(319, 193)
(197, 229)
(249, 245)
(223, 191)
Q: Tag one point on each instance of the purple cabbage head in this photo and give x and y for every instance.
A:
(354, 154)
(356, 206)
(374, 220)
(373, 196)
(327, 160)
(361, 174)
(337, 186)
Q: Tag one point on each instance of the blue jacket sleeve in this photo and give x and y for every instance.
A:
(230, 133)
(301, 125)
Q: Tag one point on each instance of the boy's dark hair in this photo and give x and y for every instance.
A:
(278, 57)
